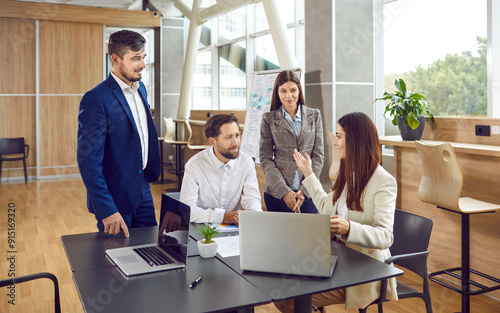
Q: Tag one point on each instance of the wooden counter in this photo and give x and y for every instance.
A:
(480, 165)
(459, 147)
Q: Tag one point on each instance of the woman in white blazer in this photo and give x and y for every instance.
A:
(361, 206)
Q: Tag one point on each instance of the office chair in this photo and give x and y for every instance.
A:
(190, 136)
(409, 250)
(441, 185)
(22, 279)
(14, 146)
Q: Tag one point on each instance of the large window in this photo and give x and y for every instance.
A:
(232, 47)
(202, 91)
(439, 46)
(232, 82)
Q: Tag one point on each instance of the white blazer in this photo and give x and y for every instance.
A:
(370, 232)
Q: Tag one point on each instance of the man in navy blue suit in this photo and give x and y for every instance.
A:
(118, 152)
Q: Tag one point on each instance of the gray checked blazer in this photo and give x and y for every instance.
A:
(277, 142)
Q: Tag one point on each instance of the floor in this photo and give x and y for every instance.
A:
(46, 210)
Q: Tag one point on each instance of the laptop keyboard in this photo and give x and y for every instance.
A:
(153, 256)
(179, 250)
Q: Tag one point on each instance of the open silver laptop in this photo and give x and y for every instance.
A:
(286, 243)
(171, 250)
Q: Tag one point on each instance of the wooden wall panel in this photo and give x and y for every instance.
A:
(460, 129)
(202, 115)
(71, 57)
(17, 119)
(58, 128)
(17, 56)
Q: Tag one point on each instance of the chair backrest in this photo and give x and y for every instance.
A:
(25, 278)
(12, 145)
(442, 179)
(189, 131)
(412, 234)
(169, 130)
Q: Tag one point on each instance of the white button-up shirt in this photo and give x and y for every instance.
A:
(139, 113)
(212, 188)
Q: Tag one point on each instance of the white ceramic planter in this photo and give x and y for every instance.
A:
(207, 250)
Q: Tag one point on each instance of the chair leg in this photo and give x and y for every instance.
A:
(380, 308)
(362, 310)
(428, 304)
(465, 263)
(0, 171)
(25, 172)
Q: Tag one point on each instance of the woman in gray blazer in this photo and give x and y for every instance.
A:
(361, 206)
(289, 125)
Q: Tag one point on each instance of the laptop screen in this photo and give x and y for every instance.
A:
(174, 216)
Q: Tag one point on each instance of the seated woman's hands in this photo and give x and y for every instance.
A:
(339, 225)
(304, 164)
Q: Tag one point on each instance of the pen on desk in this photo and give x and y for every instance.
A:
(196, 282)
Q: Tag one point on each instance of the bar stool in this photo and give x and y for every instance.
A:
(169, 138)
(441, 185)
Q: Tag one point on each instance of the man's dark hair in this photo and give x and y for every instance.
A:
(213, 125)
(122, 41)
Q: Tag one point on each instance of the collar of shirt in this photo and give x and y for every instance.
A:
(218, 163)
(124, 86)
(298, 115)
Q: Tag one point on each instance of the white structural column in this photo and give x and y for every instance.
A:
(284, 49)
(190, 58)
(197, 17)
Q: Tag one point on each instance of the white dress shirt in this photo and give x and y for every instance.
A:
(212, 188)
(138, 112)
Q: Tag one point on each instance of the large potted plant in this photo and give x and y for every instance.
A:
(207, 247)
(406, 109)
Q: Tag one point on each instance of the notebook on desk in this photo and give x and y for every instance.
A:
(169, 252)
(286, 243)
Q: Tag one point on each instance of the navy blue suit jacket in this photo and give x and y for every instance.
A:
(109, 150)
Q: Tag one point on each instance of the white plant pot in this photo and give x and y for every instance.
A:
(207, 250)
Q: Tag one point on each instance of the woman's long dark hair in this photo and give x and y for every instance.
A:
(284, 77)
(362, 156)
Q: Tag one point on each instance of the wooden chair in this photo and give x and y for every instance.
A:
(410, 250)
(190, 136)
(18, 151)
(22, 279)
(441, 185)
(169, 138)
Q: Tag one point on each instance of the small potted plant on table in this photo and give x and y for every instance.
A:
(207, 247)
(407, 109)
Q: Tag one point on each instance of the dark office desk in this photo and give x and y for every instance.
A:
(103, 288)
(353, 268)
(86, 251)
(221, 289)
(224, 287)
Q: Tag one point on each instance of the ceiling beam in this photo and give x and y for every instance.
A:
(73, 13)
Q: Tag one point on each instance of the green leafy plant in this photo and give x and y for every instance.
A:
(408, 104)
(208, 231)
